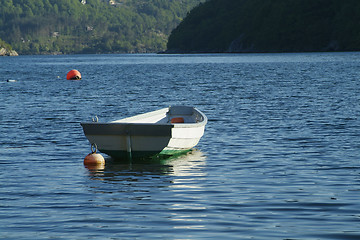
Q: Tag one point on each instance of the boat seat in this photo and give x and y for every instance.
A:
(177, 120)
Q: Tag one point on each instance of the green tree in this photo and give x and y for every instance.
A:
(67, 26)
(269, 26)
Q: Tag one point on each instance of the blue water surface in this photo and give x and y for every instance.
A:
(280, 158)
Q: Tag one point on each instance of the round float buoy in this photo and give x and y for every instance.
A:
(73, 75)
(94, 159)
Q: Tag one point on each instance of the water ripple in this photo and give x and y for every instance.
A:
(279, 158)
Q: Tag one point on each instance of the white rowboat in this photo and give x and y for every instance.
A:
(167, 131)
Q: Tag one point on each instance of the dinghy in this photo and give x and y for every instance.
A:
(167, 131)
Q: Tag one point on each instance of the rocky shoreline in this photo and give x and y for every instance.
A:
(6, 52)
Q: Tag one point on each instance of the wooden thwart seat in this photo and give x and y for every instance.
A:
(177, 120)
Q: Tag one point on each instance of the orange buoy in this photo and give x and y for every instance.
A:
(73, 75)
(94, 159)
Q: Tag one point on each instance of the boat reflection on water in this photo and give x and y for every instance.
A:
(178, 165)
(170, 190)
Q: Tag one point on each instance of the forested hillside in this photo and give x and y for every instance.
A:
(3, 44)
(90, 26)
(269, 26)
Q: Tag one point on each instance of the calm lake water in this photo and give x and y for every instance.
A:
(280, 158)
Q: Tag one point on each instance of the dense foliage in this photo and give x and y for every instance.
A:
(3, 44)
(269, 26)
(68, 26)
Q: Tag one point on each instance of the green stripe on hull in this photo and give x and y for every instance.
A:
(142, 154)
(173, 152)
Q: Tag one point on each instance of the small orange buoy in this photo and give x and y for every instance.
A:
(94, 159)
(73, 75)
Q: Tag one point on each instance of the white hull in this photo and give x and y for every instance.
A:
(148, 134)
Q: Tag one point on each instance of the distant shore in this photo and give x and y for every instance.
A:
(7, 52)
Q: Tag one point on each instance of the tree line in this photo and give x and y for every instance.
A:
(269, 26)
(68, 26)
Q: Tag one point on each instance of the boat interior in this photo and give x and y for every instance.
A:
(171, 115)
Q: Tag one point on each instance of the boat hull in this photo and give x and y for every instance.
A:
(135, 139)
